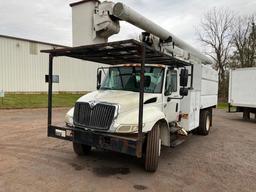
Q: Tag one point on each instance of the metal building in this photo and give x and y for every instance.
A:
(23, 68)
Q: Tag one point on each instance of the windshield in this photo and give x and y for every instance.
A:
(128, 79)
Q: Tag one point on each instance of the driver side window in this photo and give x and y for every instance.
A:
(171, 82)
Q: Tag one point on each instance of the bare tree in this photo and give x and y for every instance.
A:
(215, 33)
(244, 40)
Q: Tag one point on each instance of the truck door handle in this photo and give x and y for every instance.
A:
(168, 99)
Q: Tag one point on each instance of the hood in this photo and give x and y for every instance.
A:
(126, 99)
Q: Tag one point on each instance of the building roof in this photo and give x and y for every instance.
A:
(33, 41)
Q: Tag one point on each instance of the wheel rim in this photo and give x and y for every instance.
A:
(208, 123)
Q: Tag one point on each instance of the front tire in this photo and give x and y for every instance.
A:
(152, 149)
(81, 149)
(205, 122)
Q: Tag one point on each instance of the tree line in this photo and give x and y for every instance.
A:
(230, 41)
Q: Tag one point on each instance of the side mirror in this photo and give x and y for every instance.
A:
(99, 74)
(184, 78)
(183, 91)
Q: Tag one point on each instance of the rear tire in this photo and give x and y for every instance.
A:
(152, 149)
(205, 122)
(81, 149)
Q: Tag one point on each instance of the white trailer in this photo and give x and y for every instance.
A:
(242, 90)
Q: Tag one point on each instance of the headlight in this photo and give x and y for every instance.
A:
(132, 128)
(69, 120)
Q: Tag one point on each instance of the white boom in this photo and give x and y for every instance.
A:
(105, 23)
(127, 14)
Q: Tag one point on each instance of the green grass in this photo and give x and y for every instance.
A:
(225, 106)
(20, 101)
(222, 106)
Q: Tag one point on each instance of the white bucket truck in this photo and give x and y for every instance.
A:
(153, 93)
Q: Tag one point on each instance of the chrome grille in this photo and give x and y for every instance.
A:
(99, 116)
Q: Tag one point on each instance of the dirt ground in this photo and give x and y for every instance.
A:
(29, 161)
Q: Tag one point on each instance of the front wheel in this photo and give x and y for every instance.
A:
(152, 149)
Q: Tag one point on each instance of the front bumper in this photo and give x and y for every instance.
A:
(123, 144)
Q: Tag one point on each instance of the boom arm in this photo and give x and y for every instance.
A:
(125, 13)
(106, 16)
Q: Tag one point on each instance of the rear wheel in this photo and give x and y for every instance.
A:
(81, 149)
(152, 149)
(205, 122)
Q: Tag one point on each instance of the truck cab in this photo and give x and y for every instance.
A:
(113, 108)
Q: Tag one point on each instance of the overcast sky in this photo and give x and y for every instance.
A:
(50, 20)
